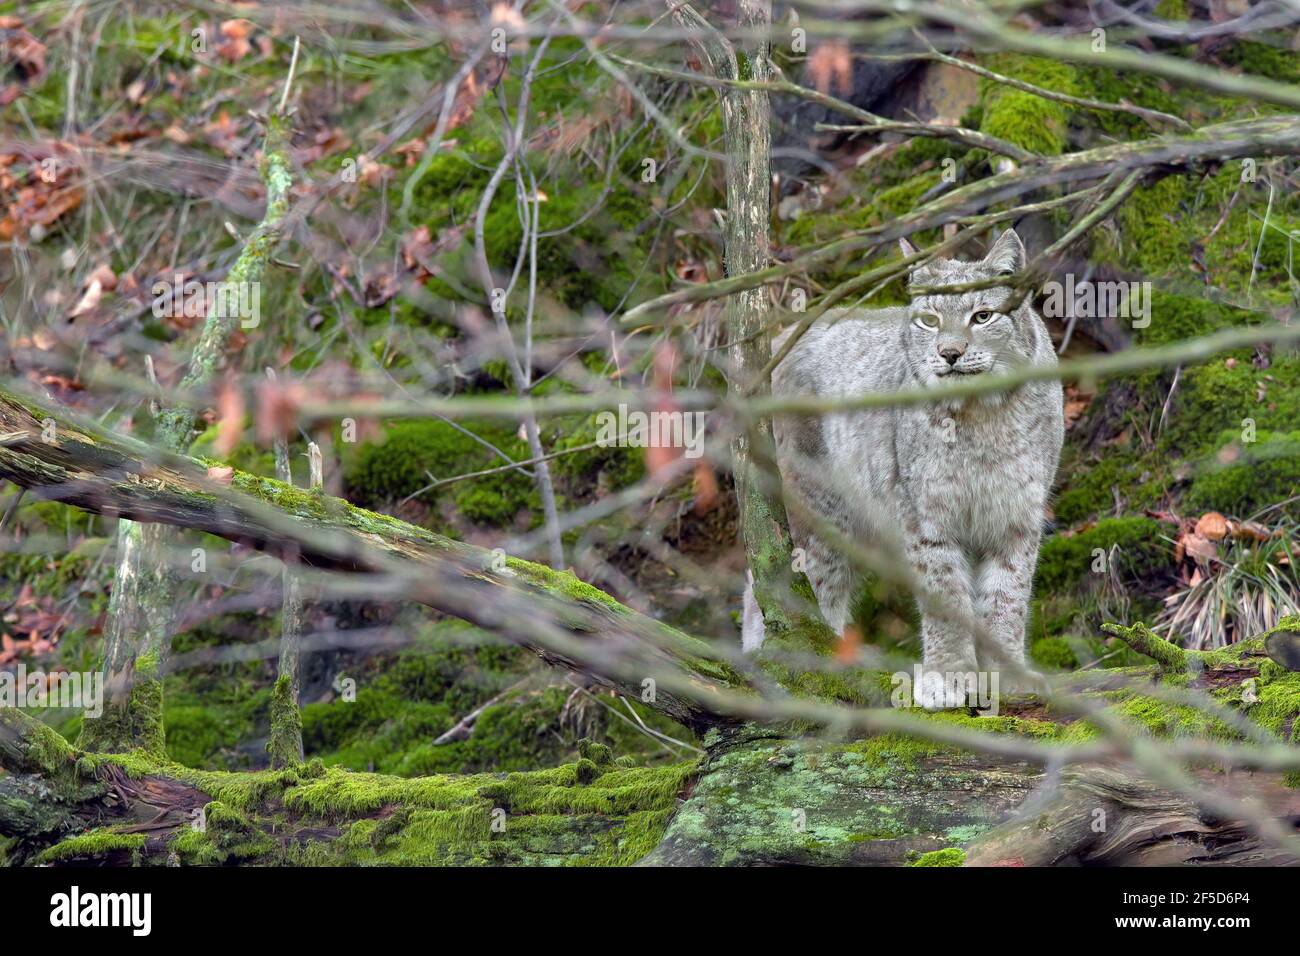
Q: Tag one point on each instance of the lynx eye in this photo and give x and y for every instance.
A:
(982, 317)
(927, 320)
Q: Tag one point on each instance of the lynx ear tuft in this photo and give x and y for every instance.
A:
(1007, 255)
(907, 247)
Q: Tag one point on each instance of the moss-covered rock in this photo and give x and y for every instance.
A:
(1031, 122)
(1066, 560)
(416, 454)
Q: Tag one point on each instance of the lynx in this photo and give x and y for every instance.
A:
(957, 488)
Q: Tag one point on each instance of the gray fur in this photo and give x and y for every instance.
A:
(966, 513)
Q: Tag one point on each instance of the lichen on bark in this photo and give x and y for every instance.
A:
(144, 588)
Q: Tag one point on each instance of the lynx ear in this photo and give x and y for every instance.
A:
(1007, 255)
(907, 247)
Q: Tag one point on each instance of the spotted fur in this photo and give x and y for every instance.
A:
(956, 489)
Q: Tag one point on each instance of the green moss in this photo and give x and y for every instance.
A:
(1167, 720)
(92, 845)
(1186, 218)
(415, 454)
(140, 722)
(1066, 561)
(245, 457)
(1228, 394)
(1242, 478)
(43, 746)
(600, 469)
(285, 744)
(1054, 653)
(1031, 122)
(952, 856)
(1176, 318)
(890, 752)
(1273, 60)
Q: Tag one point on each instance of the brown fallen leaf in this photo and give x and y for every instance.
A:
(22, 56)
(230, 419)
(1213, 526)
(99, 281)
(830, 67)
(1198, 547)
(1253, 531)
(234, 45)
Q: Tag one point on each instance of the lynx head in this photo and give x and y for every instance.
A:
(967, 333)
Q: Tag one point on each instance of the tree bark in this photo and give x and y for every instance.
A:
(138, 633)
(746, 124)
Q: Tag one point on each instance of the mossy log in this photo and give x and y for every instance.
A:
(80, 464)
(756, 798)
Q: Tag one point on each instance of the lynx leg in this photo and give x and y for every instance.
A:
(1002, 589)
(831, 578)
(947, 643)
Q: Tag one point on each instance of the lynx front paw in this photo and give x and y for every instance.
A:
(1024, 683)
(934, 693)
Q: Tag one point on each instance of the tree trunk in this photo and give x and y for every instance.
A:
(746, 125)
(144, 593)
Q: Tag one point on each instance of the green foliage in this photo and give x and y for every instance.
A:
(93, 844)
(601, 469)
(1089, 483)
(285, 745)
(1263, 59)
(1176, 318)
(1186, 219)
(1054, 653)
(1227, 394)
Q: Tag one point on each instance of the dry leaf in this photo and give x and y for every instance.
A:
(847, 647)
(830, 67)
(1213, 526)
(277, 408)
(230, 419)
(235, 46)
(89, 299)
(1198, 547)
(24, 58)
(1253, 531)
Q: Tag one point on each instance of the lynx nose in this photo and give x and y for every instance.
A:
(951, 353)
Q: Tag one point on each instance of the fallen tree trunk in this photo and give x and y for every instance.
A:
(756, 798)
(106, 473)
